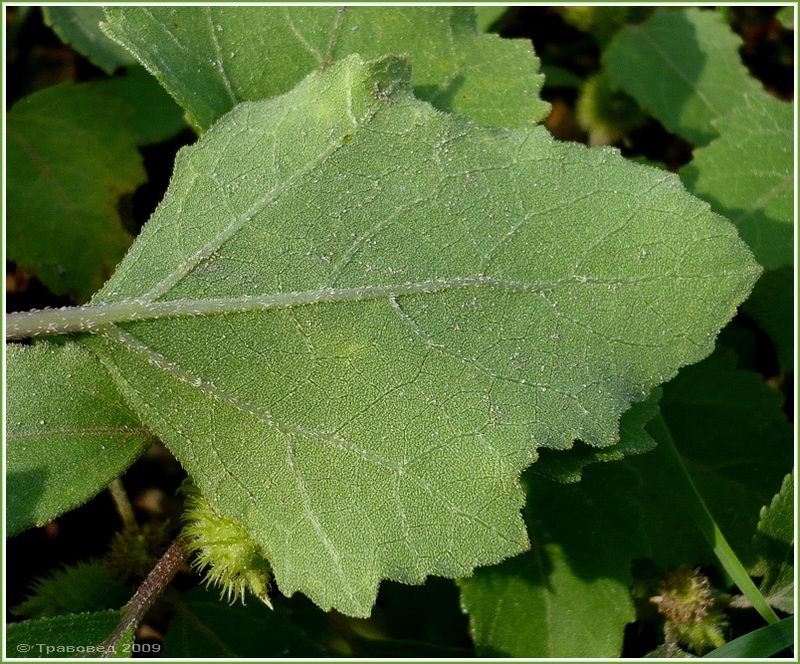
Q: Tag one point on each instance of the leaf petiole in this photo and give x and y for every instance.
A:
(123, 504)
(147, 593)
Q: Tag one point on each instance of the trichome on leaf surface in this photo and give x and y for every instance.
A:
(397, 366)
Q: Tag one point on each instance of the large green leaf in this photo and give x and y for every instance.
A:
(569, 596)
(68, 432)
(205, 626)
(72, 156)
(210, 58)
(62, 637)
(747, 175)
(774, 544)
(352, 363)
(80, 28)
(683, 66)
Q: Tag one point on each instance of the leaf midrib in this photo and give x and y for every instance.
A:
(95, 317)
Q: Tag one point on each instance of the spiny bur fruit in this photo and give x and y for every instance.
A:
(691, 611)
(606, 113)
(223, 551)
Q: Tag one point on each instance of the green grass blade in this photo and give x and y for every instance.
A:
(708, 526)
(764, 642)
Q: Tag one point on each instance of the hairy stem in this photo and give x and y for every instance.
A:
(123, 504)
(709, 528)
(147, 594)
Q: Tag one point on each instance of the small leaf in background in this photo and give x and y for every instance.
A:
(68, 432)
(203, 626)
(61, 637)
(785, 16)
(774, 545)
(212, 59)
(747, 175)
(79, 588)
(80, 28)
(682, 66)
(73, 157)
(569, 595)
(528, 332)
(74, 205)
(567, 465)
(155, 115)
(605, 112)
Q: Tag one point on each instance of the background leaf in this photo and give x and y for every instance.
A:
(79, 588)
(715, 412)
(211, 59)
(786, 17)
(76, 635)
(682, 66)
(68, 432)
(73, 157)
(393, 405)
(155, 116)
(746, 174)
(569, 596)
(205, 626)
(80, 28)
(774, 544)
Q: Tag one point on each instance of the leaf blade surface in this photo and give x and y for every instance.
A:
(774, 544)
(68, 433)
(70, 169)
(376, 293)
(747, 175)
(213, 58)
(80, 28)
(683, 66)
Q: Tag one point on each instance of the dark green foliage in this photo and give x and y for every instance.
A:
(397, 326)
